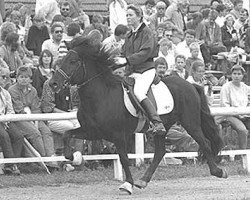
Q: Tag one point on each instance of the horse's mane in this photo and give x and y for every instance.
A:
(102, 60)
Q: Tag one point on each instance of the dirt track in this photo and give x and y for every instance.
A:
(235, 187)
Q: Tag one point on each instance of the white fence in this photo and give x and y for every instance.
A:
(140, 155)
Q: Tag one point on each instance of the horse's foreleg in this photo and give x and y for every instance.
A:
(121, 150)
(159, 153)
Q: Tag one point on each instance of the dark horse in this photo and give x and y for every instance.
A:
(102, 113)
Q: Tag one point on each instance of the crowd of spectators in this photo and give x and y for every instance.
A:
(33, 43)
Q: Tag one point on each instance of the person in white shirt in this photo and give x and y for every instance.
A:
(235, 94)
(183, 47)
(53, 43)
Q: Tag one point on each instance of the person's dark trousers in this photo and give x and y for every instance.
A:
(11, 140)
(205, 52)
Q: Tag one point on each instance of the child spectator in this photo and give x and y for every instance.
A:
(11, 140)
(194, 50)
(43, 71)
(25, 100)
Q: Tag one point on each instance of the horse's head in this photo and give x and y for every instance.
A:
(69, 71)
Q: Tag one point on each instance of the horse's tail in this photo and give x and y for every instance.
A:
(208, 125)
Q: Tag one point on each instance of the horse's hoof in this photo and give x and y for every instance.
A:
(224, 174)
(126, 187)
(77, 158)
(140, 184)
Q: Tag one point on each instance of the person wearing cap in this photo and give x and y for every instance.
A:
(139, 50)
(11, 140)
(235, 94)
(159, 17)
(37, 34)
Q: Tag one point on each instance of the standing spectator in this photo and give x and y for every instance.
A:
(235, 94)
(139, 51)
(48, 9)
(11, 140)
(229, 35)
(37, 34)
(53, 43)
(159, 16)
(238, 5)
(148, 9)
(43, 71)
(65, 9)
(180, 65)
(25, 101)
(117, 13)
(221, 9)
(97, 23)
(114, 43)
(9, 53)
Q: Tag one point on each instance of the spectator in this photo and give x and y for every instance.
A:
(97, 23)
(168, 50)
(43, 71)
(148, 9)
(9, 53)
(241, 25)
(180, 65)
(2, 10)
(229, 35)
(183, 47)
(194, 50)
(11, 140)
(238, 5)
(247, 38)
(235, 94)
(196, 19)
(215, 3)
(25, 101)
(161, 67)
(159, 16)
(37, 34)
(134, 49)
(7, 27)
(210, 34)
(117, 13)
(53, 43)
(221, 9)
(47, 9)
(73, 31)
(65, 9)
(83, 18)
(120, 72)
(114, 43)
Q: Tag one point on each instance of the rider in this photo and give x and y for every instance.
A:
(139, 49)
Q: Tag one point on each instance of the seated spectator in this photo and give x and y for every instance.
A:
(11, 140)
(229, 35)
(97, 23)
(114, 43)
(37, 34)
(159, 16)
(161, 67)
(210, 34)
(65, 9)
(194, 50)
(73, 31)
(6, 27)
(238, 5)
(240, 22)
(25, 101)
(43, 71)
(235, 94)
(168, 50)
(183, 47)
(148, 9)
(53, 43)
(9, 53)
(180, 65)
(196, 19)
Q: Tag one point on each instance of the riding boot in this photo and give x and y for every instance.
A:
(158, 128)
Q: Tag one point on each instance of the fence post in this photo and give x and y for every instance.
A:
(246, 162)
(139, 147)
(118, 169)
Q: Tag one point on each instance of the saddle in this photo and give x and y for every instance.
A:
(158, 88)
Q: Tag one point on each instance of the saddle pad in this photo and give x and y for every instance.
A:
(163, 97)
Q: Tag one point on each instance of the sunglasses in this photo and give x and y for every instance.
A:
(58, 32)
(167, 35)
(65, 9)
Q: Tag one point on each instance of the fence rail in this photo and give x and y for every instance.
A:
(140, 155)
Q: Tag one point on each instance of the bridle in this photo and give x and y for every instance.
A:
(68, 78)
